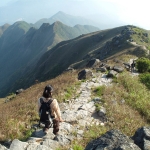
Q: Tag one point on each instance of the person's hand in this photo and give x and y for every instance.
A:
(61, 120)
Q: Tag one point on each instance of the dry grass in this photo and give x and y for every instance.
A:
(17, 116)
(121, 115)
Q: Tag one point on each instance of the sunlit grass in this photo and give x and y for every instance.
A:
(18, 115)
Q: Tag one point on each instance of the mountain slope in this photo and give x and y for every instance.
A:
(66, 19)
(13, 34)
(3, 28)
(22, 46)
(77, 52)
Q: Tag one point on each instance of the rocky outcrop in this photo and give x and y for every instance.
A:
(85, 74)
(19, 91)
(118, 69)
(112, 140)
(111, 74)
(93, 63)
(142, 138)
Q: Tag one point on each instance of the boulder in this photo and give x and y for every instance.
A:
(102, 69)
(63, 139)
(145, 34)
(142, 138)
(70, 69)
(118, 69)
(16, 144)
(51, 144)
(85, 74)
(112, 140)
(111, 74)
(108, 67)
(102, 112)
(19, 91)
(127, 66)
(3, 147)
(93, 63)
(37, 147)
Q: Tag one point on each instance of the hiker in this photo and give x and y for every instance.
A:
(49, 110)
(132, 66)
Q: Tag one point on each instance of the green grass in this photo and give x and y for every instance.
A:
(98, 91)
(137, 94)
(145, 79)
(140, 38)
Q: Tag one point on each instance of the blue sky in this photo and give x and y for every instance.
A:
(134, 12)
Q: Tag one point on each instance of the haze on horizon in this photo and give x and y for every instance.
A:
(117, 12)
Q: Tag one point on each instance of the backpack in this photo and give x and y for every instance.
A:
(45, 110)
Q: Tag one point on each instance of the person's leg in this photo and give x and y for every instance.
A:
(55, 126)
(47, 126)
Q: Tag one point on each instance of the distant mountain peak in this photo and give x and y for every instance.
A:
(44, 25)
(60, 12)
(57, 23)
(19, 22)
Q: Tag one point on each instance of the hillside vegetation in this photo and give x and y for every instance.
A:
(129, 113)
(75, 53)
(18, 115)
(21, 46)
(3, 28)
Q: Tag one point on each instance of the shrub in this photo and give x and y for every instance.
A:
(145, 79)
(143, 64)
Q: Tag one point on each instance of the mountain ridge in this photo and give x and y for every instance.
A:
(75, 53)
(29, 44)
(66, 19)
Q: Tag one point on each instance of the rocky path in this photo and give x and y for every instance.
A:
(78, 113)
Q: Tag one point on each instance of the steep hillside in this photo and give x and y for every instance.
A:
(12, 35)
(89, 108)
(66, 19)
(106, 44)
(3, 28)
(21, 47)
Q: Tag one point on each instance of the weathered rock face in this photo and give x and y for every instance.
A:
(3, 147)
(119, 69)
(19, 91)
(93, 63)
(16, 144)
(142, 138)
(112, 140)
(102, 69)
(85, 74)
(111, 73)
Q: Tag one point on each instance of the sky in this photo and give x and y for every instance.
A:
(133, 12)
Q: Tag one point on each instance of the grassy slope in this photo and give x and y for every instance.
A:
(29, 47)
(21, 112)
(77, 52)
(3, 28)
